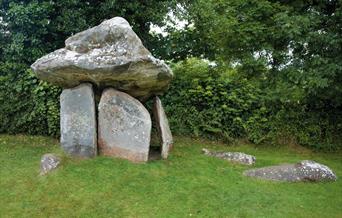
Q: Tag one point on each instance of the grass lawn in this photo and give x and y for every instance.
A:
(188, 184)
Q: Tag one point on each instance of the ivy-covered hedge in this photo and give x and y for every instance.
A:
(27, 104)
(216, 102)
(207, 101)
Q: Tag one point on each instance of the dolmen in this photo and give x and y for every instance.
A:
(109, 59)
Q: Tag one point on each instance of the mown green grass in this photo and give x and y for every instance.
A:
(188, 184)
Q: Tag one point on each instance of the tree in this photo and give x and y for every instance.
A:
(35, 28)
(288, 45)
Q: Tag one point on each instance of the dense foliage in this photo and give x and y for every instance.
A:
(291, 50)
(204, 101)
(274, 73)
(214, 101)
(27, 105)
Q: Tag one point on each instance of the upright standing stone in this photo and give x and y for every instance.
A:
(124, 129)
(163, 128)
(78, 121)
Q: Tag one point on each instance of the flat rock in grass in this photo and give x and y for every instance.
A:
(305, 170)
(236, 157)
(49, 162)
(163, 127)
(124, 126)
(78, 121)
(107, 55)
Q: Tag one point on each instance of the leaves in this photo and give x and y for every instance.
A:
(209, 103)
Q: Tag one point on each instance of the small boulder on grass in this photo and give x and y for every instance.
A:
(49, 162)
(236, 157)
(306, 170)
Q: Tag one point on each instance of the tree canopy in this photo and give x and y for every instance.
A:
(32, 28)
(292, 45)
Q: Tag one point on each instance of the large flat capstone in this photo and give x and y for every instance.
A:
(124, 126)
(78, 121)
(107, 55)
(163, 127)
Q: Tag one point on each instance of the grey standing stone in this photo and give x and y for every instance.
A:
(124, 126)
(107, 55)
(49, 162)
(305, 170)
(78, 121)
(236, 157)
(163, 127)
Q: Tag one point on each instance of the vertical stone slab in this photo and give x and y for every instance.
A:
(78, 121)
(163, 127)
(124, 126)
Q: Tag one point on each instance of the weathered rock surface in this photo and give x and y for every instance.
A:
(78, 121)
(124, 126)
(236, 157)
(305, 170)
(163, 127)
(49, 162)
(108, 55)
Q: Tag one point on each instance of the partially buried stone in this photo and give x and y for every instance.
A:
(124, 126)
(305, 170)
(78, 121)
(163, 127)
(107, 55)
(236, 157)
(49, 162)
